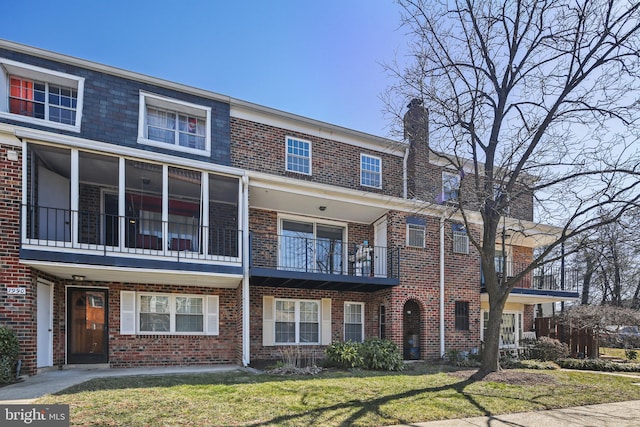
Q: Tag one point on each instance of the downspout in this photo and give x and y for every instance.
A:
(442, 348)
(405, 176)
(246, 333)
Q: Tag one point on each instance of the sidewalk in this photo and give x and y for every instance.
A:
(49, 382)
(618, 414)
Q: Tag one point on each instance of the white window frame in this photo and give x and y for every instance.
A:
(448, 177)
(519, 327)
(33, 73)
(286, 155)
(416, 228)
(156, 101)
(377, 173)
(297, 321)
(460, 239)
(206, 311)
(344, 329)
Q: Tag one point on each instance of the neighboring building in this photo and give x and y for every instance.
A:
(148, 223)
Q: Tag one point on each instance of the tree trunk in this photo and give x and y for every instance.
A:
(586, 282)
(491, 350)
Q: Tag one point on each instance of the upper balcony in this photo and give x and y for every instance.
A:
(55, 235)
(321, 263)
(548, 283)
(108, 218)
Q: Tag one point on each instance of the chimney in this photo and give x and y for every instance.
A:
(416, 133)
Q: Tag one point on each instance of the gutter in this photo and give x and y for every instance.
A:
(405, 177)
(246, 325)
(442, 347)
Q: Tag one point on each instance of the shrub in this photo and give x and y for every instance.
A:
(598, 365)
(529, 364)
(546, 348)
(9, 350)
(373, 354)
(631, 354)
(382, 355)
(344, 354)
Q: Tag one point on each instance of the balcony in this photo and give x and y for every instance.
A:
(319, 263)
(82, 237)
(548, 283)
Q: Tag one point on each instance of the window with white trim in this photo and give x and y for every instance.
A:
(370, 171)
(450, 187)
(40, 96)
(416, 231)
(161, 314)
(298, 155)
(354, 321)
(460, 239)
(170, 123)
(297, 321)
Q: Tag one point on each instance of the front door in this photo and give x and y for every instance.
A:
(88, 328)
(380, 248)
(45, 327)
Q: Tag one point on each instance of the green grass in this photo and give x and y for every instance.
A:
(331, 399)
(614, 352)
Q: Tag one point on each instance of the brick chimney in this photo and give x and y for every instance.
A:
(416, 133)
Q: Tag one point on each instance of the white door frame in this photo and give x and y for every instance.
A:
(44, 324)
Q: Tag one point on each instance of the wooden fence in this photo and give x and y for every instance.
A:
(581, 342)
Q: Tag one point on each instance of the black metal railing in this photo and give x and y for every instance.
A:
(549, 277)
(321, 255)
(54, 227)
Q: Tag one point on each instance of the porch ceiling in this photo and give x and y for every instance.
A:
(136, 275)
(295, 201)
(533, 296)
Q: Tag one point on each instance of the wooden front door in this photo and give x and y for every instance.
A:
(87, 326)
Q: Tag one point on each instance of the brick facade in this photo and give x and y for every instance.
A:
(239, 147)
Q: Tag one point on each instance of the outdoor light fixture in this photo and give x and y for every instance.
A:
(322, 208)
(77, 277)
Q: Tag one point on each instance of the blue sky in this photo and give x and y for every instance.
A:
(319, 59)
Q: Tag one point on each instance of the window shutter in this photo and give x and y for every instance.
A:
(213, 315)
(127, 313)
(326, 322)
(268, 323)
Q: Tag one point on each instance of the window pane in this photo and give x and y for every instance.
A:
(309, 332)
(353, 332)
(416, 235)
(188, 305)
(150, 322)
(298, 156)
(189, 323)
(154, 304)
(370, 172)
(285, 311)
(285, 332)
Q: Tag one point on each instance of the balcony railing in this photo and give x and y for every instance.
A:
(323, 256)
(107, 233)
(549, 277)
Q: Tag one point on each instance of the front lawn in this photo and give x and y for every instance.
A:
(332, 399)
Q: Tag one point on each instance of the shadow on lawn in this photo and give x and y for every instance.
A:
(362, 408)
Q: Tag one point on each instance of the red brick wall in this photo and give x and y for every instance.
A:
(159, 350)
(17, 312)
(260, 147)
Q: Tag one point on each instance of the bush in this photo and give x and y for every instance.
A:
(598, 365)
(9, 350)
(375, 354)
(344, 354)
(529, 364)
(631, 354)
(382, 355)
(548, 349)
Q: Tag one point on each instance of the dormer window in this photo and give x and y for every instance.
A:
(40, 96)
(174, 124)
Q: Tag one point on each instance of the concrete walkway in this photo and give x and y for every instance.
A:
(53, 381)
(603, 415)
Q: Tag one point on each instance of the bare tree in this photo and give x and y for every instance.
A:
(611, 257)
(527, 98)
